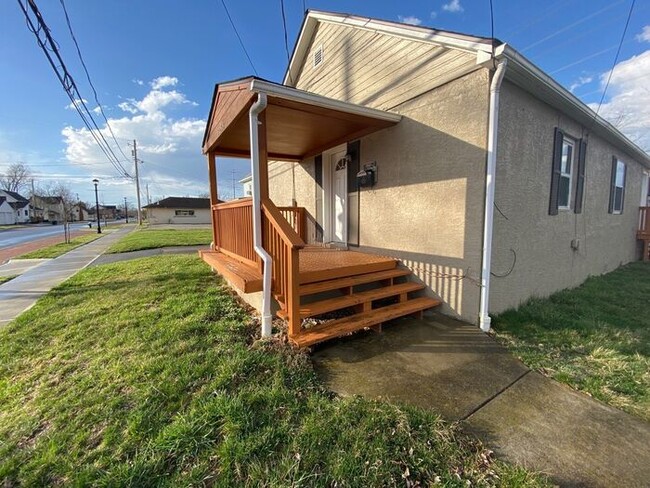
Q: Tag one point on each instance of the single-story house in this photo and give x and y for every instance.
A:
(399, 168)
(179, 210)
(19, 204)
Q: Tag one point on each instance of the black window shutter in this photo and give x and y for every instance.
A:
(612, 186)
(555, 175)
(580, 180)
(354, 151)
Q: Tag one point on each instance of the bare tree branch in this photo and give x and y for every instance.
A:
(15, 178)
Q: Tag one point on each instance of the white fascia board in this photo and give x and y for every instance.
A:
(571, 104)
(288, 93)
(300, 51)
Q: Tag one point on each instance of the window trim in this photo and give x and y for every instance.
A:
(184, 212)
(571, 142)
(618, 211)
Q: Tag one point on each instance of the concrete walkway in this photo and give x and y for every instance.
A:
(17, 267)
(464, 375)
(21, 293)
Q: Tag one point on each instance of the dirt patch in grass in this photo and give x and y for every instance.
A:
(595, 338)
(144, 373)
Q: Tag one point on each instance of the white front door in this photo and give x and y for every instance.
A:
(339, 197)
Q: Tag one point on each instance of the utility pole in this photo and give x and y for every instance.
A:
(137, 180)
(233, 185)
(148, 200)
(126, 211)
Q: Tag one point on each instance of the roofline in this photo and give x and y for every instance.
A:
(570, 103)
(450, 39)
(481, 46)
(296, 95)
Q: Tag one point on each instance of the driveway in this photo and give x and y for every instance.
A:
(465, 376)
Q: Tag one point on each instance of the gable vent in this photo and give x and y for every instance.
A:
(318, 56)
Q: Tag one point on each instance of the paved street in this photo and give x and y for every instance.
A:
(20, 235)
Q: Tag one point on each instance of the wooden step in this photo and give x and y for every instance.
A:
(347, 325)
(335, 284)
(337, 303)
(240, 275)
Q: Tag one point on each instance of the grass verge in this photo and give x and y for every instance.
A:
(147, 373)
(595, 338)
(4, 279)
(57, 250)
(149, 238)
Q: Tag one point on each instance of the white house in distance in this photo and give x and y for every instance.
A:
(247, 183)
(179, 210)
(19, 208)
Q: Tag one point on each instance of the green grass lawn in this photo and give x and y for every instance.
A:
(149, 238)
(57, 250)
(4, 279)
(595, 338)
(147, 373)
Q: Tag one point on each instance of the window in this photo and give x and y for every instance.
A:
(184, 213)
(566, 174)
(617, 190)
(318, 56)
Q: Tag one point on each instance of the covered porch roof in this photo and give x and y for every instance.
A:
(299, 124)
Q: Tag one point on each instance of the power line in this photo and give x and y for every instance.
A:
(611, 71)
(48, 45)
(83, 64)
(284, 26)
(238, 37)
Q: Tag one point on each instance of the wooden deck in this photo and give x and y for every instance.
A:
(316, 264)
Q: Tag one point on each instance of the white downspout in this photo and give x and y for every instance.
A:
(255, 110)
(493, 129)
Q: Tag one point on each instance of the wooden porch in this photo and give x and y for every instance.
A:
(344, 290)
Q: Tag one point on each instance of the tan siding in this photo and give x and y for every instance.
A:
(377, 70)
(545, 262)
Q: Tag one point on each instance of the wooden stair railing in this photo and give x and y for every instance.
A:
(296, 218)
(283, 243)
(233, 222)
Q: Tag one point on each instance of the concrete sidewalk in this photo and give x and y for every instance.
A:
(21, 293)
(464, 375)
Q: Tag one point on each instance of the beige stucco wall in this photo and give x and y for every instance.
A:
(545, 261)
(167, 216)
(427, 206)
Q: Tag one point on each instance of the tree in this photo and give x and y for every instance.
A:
(15, 178)
(59, 189)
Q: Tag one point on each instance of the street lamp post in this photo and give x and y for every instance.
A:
(99, 224)
(126, 211)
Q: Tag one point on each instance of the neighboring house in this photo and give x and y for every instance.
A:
(79, 212)
(452, 153)
(7, 215)
(179, 210)
(47, 209)
(19, 204)
(247, 184)
(108, 212)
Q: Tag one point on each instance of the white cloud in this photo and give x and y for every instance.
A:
(434, 14)
(454, 6)
(582, 80)
(409, 19)
(97, 110)
(77, 103)
(645, 34)
(137, 81)
(163, 81)
(169, 144)
(628, 107)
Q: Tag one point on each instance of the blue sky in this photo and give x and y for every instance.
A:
(155, 65)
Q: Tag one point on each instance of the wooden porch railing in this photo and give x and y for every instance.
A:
(283, 231)
(233, 222)
(283, 243)
(644, 222)
(296, 218)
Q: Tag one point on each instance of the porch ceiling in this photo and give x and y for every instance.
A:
(299, 124)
